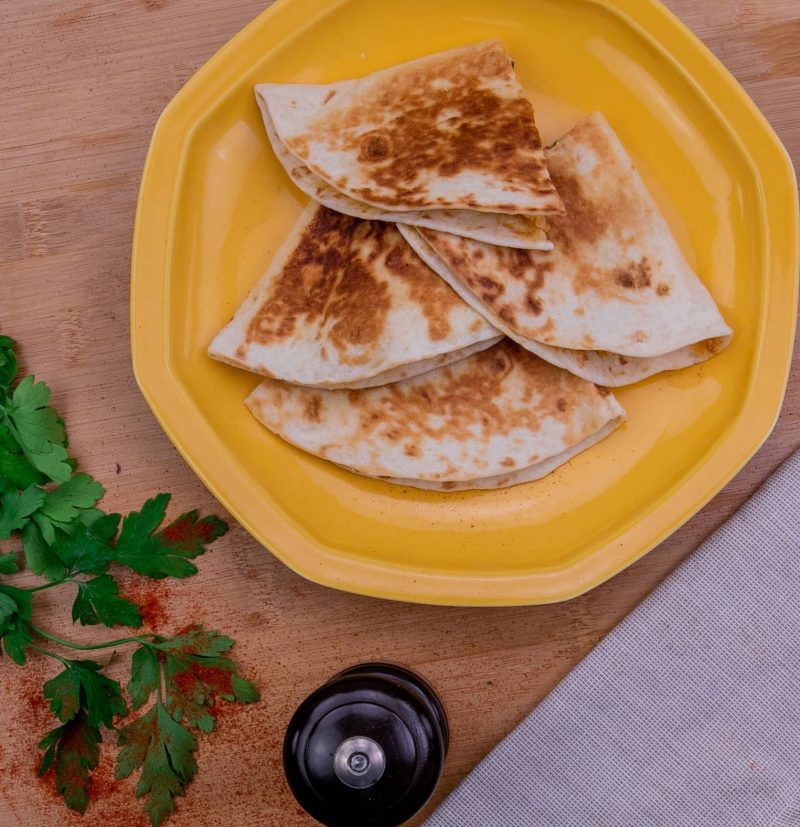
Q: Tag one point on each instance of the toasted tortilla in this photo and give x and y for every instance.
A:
(451, 130)
(615, 301)
(347, 303)
(496, 418)
(495, 228)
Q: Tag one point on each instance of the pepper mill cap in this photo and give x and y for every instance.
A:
(367, 748)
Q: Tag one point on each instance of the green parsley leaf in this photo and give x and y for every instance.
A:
(81, 686)
(15, 470)
(15, 635)
(38, 429)
(64, 504)
(16, 508)
(8, 564)
(8, 607)
(8, 361)
(165, 752)
(39, 557)
(89, 516)
(195, 640)
(195, 676)
(244, 692)
(165, 553)
(98, 601)
(88, 550)
(64, 694)
(144, 676)
(74, 750)
(16, 639)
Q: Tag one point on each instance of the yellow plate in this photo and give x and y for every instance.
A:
(215, 204)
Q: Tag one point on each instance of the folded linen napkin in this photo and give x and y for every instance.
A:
(686, 715)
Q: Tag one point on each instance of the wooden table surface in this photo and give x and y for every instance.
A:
(83, 84)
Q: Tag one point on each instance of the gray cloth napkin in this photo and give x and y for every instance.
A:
(687, 714)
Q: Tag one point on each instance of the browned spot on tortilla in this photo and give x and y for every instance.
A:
(466, 403)
(312, 409)
(241, 352)
(662, 289)
(579, 311)
(594, 208)
(411, 450)
(328, 96)
(639, 336)
(506, 314)
(534, 305)
(374, 147)
(434, 295)
(475, 326)
(623, 360)
(712, 346)
(490, 289)
(588, 277)
(636, 275)
(326, 281)
(507, 462)
(437, 121)
(448, 485)
(544, 333)
(488, 275)
(602, 390)
(587, 341)
(583, 223)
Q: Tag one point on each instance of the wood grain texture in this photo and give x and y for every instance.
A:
(84, 82)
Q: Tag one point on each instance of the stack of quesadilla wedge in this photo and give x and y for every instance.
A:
(380, 321)
(447, 142)
(347, 303)
(497, 418)
(615, 301)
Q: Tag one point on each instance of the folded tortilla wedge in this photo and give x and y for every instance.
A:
(447, 141)
(497, 418)
(347, 303)
(615, 301)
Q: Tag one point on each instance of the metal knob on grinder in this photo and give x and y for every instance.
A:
(367, 748)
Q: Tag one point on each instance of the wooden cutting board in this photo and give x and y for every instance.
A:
(83, 84)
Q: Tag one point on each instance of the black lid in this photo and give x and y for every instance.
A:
(367, 748)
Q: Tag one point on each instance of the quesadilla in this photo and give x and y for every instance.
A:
(615, 301)
(446, 141)
(494, 419)
(495, 228)
(347, 303)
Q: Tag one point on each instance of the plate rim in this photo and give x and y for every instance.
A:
(335, 568)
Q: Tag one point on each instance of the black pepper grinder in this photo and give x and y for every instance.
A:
(367, 748)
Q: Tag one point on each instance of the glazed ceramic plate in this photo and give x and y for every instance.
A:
(215, 204)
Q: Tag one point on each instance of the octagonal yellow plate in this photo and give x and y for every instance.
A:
(215, 204)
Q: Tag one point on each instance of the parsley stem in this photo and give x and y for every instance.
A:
(49, 585)
(48, 653)
(87, 647)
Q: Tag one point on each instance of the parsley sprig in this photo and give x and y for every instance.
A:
(68, 541)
